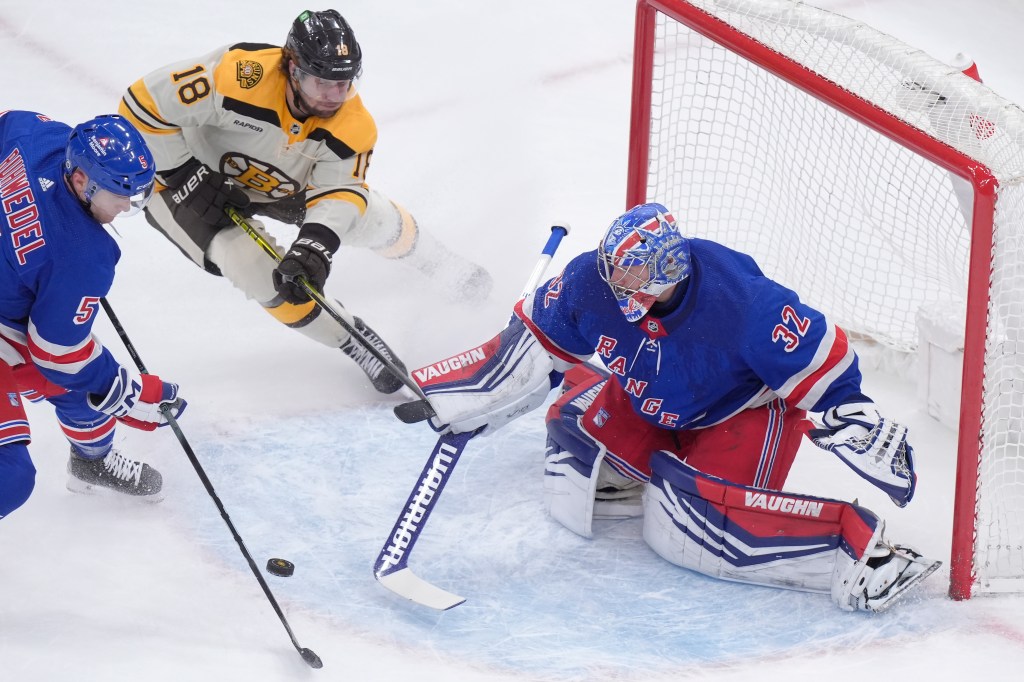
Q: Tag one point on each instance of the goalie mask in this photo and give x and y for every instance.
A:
(641, 255)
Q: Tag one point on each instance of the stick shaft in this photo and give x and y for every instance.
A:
(319, 299)
(309, 657)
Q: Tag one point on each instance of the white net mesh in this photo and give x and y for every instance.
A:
(863, 227)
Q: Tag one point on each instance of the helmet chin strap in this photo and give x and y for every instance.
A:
(299, 102)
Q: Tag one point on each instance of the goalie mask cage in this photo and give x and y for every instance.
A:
(872, 179)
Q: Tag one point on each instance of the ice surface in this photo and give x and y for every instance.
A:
(496, 119)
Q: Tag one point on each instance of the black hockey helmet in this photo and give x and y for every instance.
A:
(323, 45)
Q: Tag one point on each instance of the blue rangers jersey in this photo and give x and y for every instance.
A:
(735, 340)
(57, 259)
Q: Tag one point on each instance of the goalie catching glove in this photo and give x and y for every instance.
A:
(873, 446)
(490, 385)
(136, 400)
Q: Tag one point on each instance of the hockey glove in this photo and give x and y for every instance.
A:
(137, 400)
(308, 258)
(873, 446)
(201, 193)
(490, 385)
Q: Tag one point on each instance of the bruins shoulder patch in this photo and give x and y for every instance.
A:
(248, 73)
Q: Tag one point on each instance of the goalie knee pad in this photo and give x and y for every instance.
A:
(579, 486)
(747, 534)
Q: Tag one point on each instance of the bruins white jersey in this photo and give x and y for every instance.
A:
(228, 109)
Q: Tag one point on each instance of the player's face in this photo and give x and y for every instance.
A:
(104, 205)
(321, 97)
(630, 279)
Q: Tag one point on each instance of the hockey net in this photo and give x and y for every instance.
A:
(874, 180)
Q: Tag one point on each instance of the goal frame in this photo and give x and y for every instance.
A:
(978, 175)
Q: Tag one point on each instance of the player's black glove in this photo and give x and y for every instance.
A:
(309, 257)
(202, 193)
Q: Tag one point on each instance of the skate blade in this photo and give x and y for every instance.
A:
(900, 590)
(80, 487)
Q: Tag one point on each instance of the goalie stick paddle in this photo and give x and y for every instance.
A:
(420, 410)
(319, 299)
(391, 568)
(307, 654)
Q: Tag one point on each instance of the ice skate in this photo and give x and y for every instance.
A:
(457, 278)
(381, 378)
(883, 575)
(114, 472)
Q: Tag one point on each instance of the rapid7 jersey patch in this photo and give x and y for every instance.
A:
(791, 330)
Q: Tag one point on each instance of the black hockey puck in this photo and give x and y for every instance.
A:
(280, 567)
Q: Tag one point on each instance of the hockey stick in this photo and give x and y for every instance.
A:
(391, 568)
(420, 410)
(307, 654)
(319, 299)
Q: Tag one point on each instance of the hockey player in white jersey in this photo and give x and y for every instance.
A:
(710, 369)
(282, 133)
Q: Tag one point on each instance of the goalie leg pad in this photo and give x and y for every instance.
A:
(579, 483)
(750, 535)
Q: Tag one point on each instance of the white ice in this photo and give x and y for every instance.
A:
(496, 120)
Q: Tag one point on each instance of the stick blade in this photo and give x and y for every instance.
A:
(414, 412)
(405, 583)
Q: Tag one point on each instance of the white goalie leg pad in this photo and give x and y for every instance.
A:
(746, 534)
(569, 489)
(576, 493)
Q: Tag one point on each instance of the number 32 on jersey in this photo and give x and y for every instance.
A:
(791, 336)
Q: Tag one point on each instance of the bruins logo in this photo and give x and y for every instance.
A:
(258, 175)
(249, 73)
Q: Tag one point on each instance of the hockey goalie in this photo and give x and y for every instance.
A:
(709, 372)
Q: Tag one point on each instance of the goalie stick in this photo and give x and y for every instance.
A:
(307, 654)
(420, 410)
(391, 568)
(319, 299)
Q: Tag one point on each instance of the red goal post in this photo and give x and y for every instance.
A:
(873, 179)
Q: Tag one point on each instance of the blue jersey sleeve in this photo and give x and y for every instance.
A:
(800, 355)
(553, 312)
